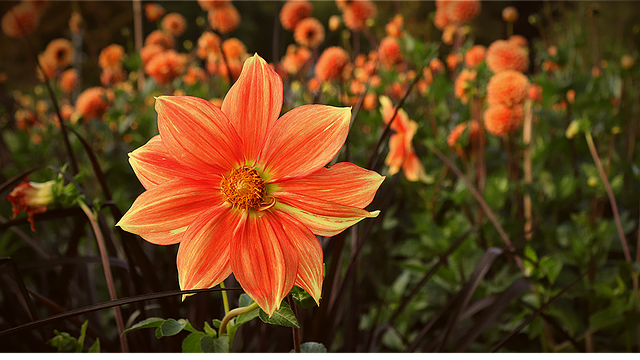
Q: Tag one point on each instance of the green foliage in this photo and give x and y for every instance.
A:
(66, 343)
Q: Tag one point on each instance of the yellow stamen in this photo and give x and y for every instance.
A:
(245, 189)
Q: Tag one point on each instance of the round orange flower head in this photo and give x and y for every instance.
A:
(501, 120)
(234, 49)
(510, 14)
(295, 58)
(504, 55)
(508, 88)
(153, 11)
(159, 37)
(334, 22)
(463, 84)
(112, 76)
(148, 52)
(309, 32)
(245, 190)
(75, 22)
(225, 19)
(293, 11)
(389, 52)
(331, 64)
(21, 20)
(68, 80)
(519, 40)
(552, 50)
(436, 65)
(356, 13)
(394, 27)
(474, 56)
(166, 66)
(550, 66)
(61, 52)
(194, 75)
(174, 24)
(48, 64)
(208, 45)
(535, 92)
(441, 20)
(453, 60)
(111, 57)
(93, 103)
(462, 11)
(571, 96)
(207, 5)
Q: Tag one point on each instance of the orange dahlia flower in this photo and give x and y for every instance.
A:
(193, 75)
(111, 57)
(234, 49)
(389, 52)
(20, 20)
(225, 19)
(208, 45)
(61, 52)
(293, 11)
(463, 84)
(510, 14)
(244, 190)
(508, 88)
(207, 5)
(331, 64)
(166, 66)
(309, 32)
(148, 52)
(174, 24)
(153, 11)
(32, 198)
(356, 13)
(94, 102)
(295, 58)
(159, 37)
(474, 56)
(68, 80)
(501, 120)
(462, 11)
(394, 27)
(506, 55)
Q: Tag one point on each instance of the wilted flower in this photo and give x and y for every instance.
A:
(32, 198)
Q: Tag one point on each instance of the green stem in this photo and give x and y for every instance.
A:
(233, 313)
(225, 299)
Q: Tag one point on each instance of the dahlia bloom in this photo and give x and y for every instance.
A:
(111, 57)
(94, 102)
(507, 55)
(21, 20)
(389, 52)
(68, 80)
(293, 11)
(166, 66)
(159, 37)
(225, 18)
(32, 198)
(208, 45)
(462, 11)
(153, 11)
(355, 13)
(244, 191)
(501, 120)
(463, 84)
(309, 32)
(474, 56)
(60, 52)
(401, 153)
(331, 64)
(508, 88)
(510, 14)
(174, 24)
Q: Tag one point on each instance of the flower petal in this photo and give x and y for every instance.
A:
(322, 217)
(253, 104)
(309, 255)
(162, 214)
(197, 134)
(203, 255)
(263, 260)
(344, 183)
(153, 165)
(303, 140)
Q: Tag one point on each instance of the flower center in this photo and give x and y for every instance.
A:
(245, 189)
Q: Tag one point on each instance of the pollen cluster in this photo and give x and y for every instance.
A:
(244, 188)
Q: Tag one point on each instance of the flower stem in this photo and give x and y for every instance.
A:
(612, 199)
(295, 331)
(225, 299)
(233, 313)
(107, 272)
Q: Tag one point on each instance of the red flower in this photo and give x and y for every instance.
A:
(32, 198)
(244, 191)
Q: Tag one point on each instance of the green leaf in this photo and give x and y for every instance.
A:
(312, 347)
(211, 345)
(63, 342)
(189, 328)
(216, 323)
(302, 298)
(283, 317)
(170, 327)
(209, 330)
(191, 344)
(95, 348)
(605, 318)
(83, 332)
(246, 317)
(147, 323)
(244, 300)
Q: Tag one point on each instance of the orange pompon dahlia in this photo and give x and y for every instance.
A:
(501, 120)
(508, 88)
(474, 56)
(111, 57)
(174, 24)
(519, 40)
(436, 65)
(295, 58)
(389, 52)
(356, 13)
(394, 27)
(510, 14)
(153, 11)
(148, 52)
(245, 191)
(225, 19)
(293, 11)
(309, 32)
(94, 102)
(159, 37)
(535, 92)
(194, 75)
(208, 45)
(68, 80)
(20, 20)
(462, 11)
(441, 20)
(207, 5)
(331, 64)
(166, 66)
(61, 52)
(453, 60)
(505, 55)
(112, 76)
(75, 22)
(234, 49)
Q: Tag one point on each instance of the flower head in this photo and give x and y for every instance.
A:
(225, 18)
(159, 37)
(508, 88)
(20, 20)
(166, 66)
(501, 120)
(153, 11)
(93, 102)
(111, 57)
(309, 32)
(60, 52)
(244, 190)
(510, 14)
(356, 12)
(389, 52)
(331, 64)
(293, 11)
(474, 56)
(32, 198)
(68, 80)
(174, 24)
(506, 55)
